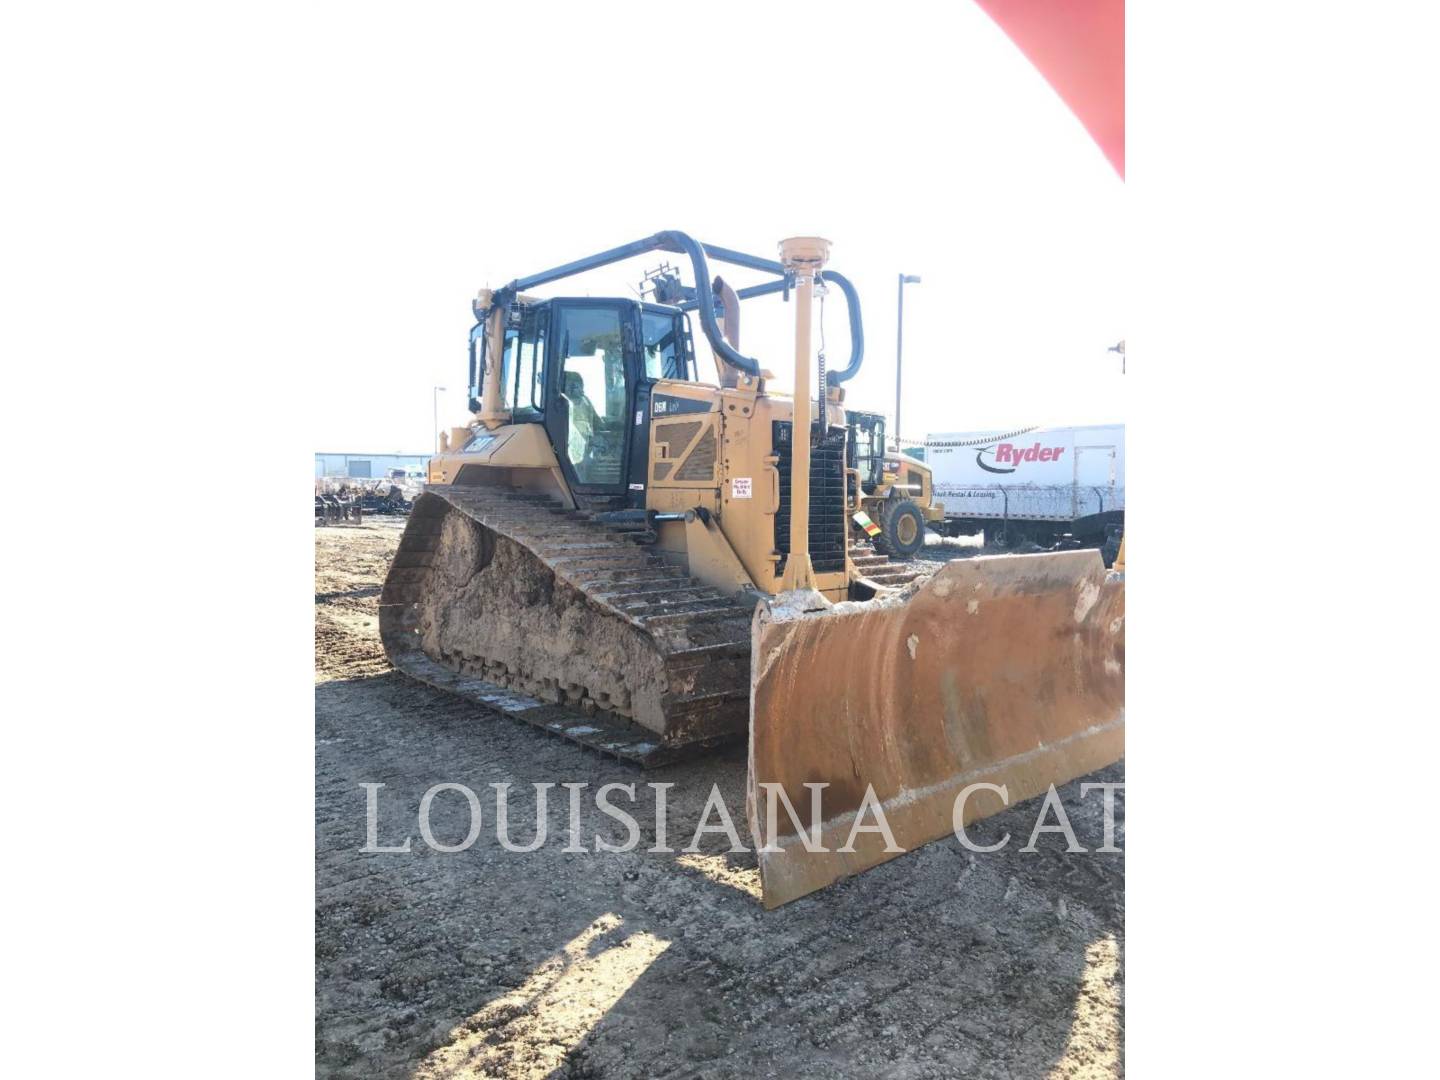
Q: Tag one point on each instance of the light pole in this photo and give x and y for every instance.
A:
(905, 279)
(1120, 348)
(435, 392)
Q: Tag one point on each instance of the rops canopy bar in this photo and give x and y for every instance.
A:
(681, 243)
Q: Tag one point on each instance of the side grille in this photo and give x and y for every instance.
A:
(827, 499)
(700, 465)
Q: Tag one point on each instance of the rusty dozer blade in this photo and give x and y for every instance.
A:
(1004, 669)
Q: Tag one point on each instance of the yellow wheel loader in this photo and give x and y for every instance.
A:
(626, 555)
(891, 492)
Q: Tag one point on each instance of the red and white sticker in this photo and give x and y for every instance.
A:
(740, 487)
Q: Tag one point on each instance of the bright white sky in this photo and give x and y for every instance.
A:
(469, 148)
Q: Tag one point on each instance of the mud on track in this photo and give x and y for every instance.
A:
(488, 963)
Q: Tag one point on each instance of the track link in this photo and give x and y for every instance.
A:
(701, 636)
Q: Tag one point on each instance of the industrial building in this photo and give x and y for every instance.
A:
(367, 466)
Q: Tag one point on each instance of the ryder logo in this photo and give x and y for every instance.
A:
(1012, 455)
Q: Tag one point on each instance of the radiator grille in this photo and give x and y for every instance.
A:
(827, 499)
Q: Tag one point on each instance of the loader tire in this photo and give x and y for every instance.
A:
(902, 529)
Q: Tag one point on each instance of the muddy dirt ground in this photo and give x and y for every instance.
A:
(489, 963)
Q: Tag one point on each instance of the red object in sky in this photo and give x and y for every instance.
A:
(1079, 46)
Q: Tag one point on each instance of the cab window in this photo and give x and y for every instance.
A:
(592, 384)
(666, 352)
(522, 367)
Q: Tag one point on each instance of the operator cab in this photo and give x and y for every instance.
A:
(584, 368)
(866, 446)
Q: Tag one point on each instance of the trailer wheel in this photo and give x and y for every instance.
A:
(902, 529)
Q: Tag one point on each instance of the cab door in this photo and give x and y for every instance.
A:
(592, 392)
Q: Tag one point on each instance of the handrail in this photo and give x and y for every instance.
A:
(478, 330)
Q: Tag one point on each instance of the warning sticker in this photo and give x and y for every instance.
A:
(740, 487)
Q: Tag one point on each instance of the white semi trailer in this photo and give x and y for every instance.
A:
(1051, 486)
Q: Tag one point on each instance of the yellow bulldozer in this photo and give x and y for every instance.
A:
(644, 561)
